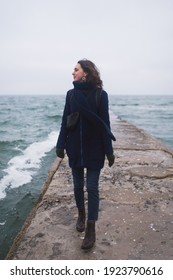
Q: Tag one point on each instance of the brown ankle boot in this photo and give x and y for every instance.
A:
(80, 225)
(90, 236)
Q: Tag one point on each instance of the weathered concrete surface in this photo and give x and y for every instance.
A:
(136, 206)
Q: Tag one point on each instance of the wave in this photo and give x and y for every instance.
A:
(54, 117)
(21, 168)
(4, 122)
(11, 143)
(127, 105)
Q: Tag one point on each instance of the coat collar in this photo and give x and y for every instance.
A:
(83, 85)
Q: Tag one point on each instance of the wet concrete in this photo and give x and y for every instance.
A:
(136, 207)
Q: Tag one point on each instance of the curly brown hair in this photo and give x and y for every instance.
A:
(93, 73)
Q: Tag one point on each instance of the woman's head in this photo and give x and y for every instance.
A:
(86, 70)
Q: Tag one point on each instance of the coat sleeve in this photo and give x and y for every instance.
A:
(104, 115)
(61, 142)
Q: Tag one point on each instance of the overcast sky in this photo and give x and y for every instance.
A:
(131, 42)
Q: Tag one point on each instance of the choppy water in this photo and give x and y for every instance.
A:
(29, 128)
(152, 113)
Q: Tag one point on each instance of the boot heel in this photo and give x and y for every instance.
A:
(90, 236)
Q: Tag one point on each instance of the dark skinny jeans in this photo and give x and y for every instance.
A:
(92, 179)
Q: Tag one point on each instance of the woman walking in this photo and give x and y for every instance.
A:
(85, 135)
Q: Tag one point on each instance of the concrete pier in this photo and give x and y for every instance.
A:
(136, 207)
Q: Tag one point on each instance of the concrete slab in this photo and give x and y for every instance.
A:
(136, 206)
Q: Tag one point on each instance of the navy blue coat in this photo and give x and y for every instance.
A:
(89, 142)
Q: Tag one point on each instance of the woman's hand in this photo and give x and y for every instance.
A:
(111, 159)
(60, 152)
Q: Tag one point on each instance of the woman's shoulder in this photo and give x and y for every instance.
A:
(69, 93)
(103, 94)
(104, 91)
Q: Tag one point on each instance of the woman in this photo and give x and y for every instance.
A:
(86, 136)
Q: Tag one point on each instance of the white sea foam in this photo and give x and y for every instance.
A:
(21, 168)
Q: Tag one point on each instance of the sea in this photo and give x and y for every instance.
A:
(29, 127)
